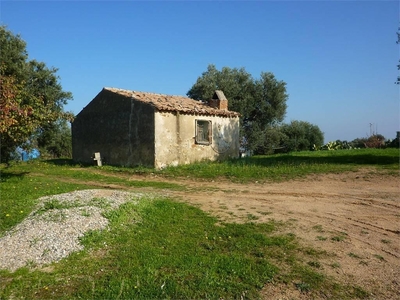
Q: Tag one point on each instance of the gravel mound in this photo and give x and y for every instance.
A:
(52, 231)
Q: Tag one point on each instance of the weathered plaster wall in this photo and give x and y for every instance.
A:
(175, 139)
(121, 129)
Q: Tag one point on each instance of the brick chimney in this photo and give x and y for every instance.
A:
(218, 101)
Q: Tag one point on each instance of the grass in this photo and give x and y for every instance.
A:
(318, 228)
(351, 254)
(338, 238)
(379, 257)
(165, 249)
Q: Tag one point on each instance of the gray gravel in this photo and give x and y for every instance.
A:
(52, 231)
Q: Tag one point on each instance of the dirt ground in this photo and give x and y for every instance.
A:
(355, 217)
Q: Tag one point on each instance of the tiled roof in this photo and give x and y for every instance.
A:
(174, 103)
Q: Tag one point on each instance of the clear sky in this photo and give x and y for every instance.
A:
(338, 58)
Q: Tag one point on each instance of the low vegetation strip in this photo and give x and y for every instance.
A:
(281, 167)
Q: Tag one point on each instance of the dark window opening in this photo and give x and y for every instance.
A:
(203, 132)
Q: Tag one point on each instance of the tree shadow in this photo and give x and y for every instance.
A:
(5, 175)
(67, 162)
(61, 161)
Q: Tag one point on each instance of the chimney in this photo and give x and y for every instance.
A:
(218, 101)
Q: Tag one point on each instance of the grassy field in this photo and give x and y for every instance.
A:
(176, 250)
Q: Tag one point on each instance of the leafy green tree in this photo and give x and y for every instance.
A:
(13, 55)
(273, 141)
(301, 135)
(31, 96)
(395, 143)
(261, 102)
(55, 140)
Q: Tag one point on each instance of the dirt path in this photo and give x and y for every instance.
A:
(353, 216)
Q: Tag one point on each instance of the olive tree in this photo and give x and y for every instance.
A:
(261, 101)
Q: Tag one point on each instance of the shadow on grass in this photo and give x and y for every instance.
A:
(61, 162)
(72, 163)
(9, 175)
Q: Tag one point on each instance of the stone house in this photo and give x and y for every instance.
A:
(130, 128)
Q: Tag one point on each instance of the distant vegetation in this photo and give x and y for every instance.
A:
(374, 141)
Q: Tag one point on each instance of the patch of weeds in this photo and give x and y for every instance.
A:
(34, 241)
(223, 207)
(303, 287)
(352, 254)
(364, 232)
(46, 251)
(335, 265)
(229, 191)
(55, 215)
(318, 228)
(338, 238)
(252, 217)
(264, 213)
(241, 209)
(380, 257)
(99, 202)
(315, 264)
(85, 213)
(55, 204)
(30, 264)
(314, 252)
(111, 214)
(363, 262)
(360, 293)
(50, 205)
(385, 241)
(321, 238)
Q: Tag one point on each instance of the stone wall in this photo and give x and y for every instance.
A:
(175, 139)
(120, 128)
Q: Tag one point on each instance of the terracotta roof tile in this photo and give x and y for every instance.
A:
(174, 103)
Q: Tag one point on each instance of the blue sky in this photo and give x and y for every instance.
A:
(338, 58)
